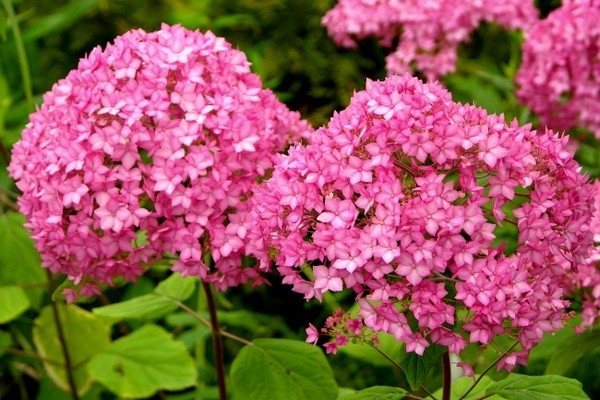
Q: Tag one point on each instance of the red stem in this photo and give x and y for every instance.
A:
(217, 343)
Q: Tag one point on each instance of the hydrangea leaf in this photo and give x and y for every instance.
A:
(369, 354)
(154, 305)
(144, 362)
(176, 287)
(282, 369)
(462, 385)
(85, 335)
(544, 387)
(13, 302)
(378, 393)
(417, 367)
(20, 260)
(570, 351)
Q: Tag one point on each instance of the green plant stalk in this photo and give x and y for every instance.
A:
(488, 369)
(21, 54)
(207, 323)
(447, 376)
(217, 344)
(63, 343)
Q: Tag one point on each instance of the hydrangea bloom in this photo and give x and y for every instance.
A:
(150, 148)
(401, 199)
(559, 77)
(428, 32)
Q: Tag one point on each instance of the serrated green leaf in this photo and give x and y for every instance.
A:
(85, 335)
(140, 364)
(545, 387)
(49, 391)
(19, 260)
(282, 369)
(570, 351)
(417, 367)
(343, 392)
(13, 302)
(176, 287)
(154, 305)
(149, 306)
(378, 393)
(462, 385)
(367, 353)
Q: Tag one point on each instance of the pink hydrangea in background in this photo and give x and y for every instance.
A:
(426, 34)
(150, 148)
(559, 77)
(401, 199)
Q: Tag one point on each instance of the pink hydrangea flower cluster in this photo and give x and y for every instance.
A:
(150, 148)
(401, 197)
(428, 32)
(590, 276)
(559, 77)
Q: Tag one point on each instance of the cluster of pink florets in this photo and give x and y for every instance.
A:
(427, 32)
(559, 77)
(400, 198)
(150, 148)
(589, 277)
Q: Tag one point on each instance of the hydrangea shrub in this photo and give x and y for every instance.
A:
(400, 199)
(559, 77)
(150, 149)
(426, 34)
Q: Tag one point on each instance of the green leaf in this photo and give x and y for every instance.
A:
(417, 367)
(545, 387)
(85, 335)
(149, 306)
(13, 302)
(369, 354)
(5, 341)
(282, 369)
(144, 362)
(49, 391)
(462, 385)
(176, 287)
(19, 261)
(157, 304)
(570, 351)
(378, 393)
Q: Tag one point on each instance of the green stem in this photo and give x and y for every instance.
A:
(21, 54)
(34, 356)
(63, 343)
(207, 323)
(488, 369)
(447, 376)
(217, 344)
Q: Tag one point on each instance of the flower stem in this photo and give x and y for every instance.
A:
(504, 353)
(63, 343)
(447, 376)
(217, 344)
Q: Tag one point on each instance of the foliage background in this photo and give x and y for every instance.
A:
(291, 52)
